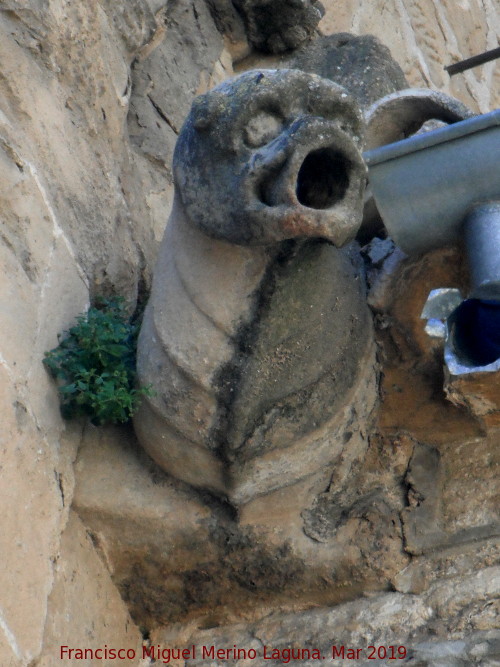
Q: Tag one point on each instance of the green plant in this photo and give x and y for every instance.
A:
(95, 364)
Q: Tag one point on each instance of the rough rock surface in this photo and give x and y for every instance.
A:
(275, 26)
(426, 35)
(267, 167)
(363, 65)
(454, 624)
(477, 392)
(186, 61)
(444, 508)
(176, 554)
(82, 602)
(83, 207)
(423, 36)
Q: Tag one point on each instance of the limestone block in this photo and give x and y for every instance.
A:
(62, 211)
(45, 281)
(36, 474)
(461, 559)
(17, 314)
(468, 604)
(134, 22)
(84, 608)
(141, 508)
(63, 296)
(455, 623)
(187, 61)
(152, 533)
(477, 392)
(41, 290)
(184, 57)
(36, 477)
(71, 147)
(33, 511)
(471, 488)
(426, 35)
(245, 384)
(79, 209)
(384, 619)
(9, 651)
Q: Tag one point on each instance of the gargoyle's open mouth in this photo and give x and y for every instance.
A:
(323, 178)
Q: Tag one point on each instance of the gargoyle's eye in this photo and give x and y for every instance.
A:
(262, 128)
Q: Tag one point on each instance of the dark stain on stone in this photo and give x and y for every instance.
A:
(227, 380)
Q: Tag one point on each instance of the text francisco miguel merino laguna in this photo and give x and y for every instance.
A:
(284, 655)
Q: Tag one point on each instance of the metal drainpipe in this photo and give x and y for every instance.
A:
(442, 188)
(482, 240)
(473, 329)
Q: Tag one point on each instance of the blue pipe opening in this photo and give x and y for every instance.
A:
(475, 332)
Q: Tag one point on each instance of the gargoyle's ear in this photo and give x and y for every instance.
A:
(205, 110)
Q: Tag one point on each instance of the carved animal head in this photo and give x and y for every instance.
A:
(272, 155)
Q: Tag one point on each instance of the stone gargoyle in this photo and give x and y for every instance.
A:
(257, 332)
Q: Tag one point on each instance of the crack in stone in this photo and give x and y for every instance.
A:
(162, 115)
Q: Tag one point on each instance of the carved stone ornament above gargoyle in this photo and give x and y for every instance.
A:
(257, 331)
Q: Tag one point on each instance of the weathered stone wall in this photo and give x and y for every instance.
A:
(83, 203)
(426, 35)
(91, 99)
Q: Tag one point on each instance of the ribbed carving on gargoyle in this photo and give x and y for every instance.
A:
(256, 330)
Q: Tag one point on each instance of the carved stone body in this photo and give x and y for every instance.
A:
(257, 330)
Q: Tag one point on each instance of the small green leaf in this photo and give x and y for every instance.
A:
(68, 389)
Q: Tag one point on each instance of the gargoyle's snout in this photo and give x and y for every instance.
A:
(316, 184)
(313, 163)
